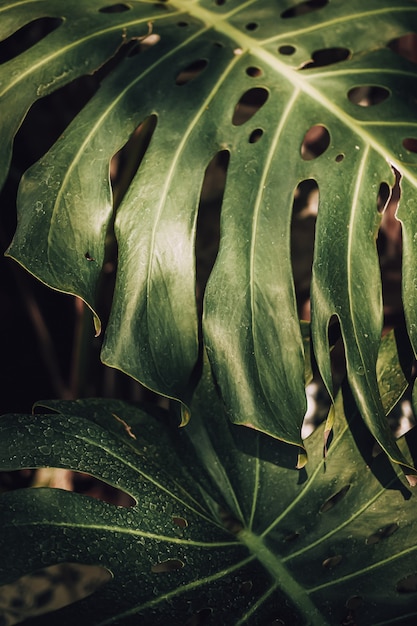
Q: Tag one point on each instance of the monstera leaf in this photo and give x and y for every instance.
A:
(224, 529)
(254, 81)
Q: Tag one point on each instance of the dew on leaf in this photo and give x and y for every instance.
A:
(246, 587)
(408, 584)
(120, 7)
(315, 142)
(382, 533)
(170, 565)
(191, 72)
(199, 618)
(291, 537)
(368, 95)
(250, 102)
(334, 499)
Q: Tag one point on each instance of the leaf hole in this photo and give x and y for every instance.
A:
(334, 500)
(88, 485)
(51, 588)
(191, 72)
(304, 7)
(389, 246)
(405, 46)
(27, 36)
(208, 220)
(250, 102)
(127, 160)
(327, 56)
(368, 95)
(410, 144)
(254, 71)
(303, 225)
(332, 561)
(384, 195)
(286, 50)
(315, 142)
(408, 584)
(179, 521)
(170, 565)
(251, 26)
(220, 2)
(182, 24)
(339, 158)
(382, 533)
(120, 7)
(354, 603)
(255, 135)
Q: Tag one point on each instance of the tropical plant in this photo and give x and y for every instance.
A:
(235, 519)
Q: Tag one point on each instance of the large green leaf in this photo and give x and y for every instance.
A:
(243, 536)
(249, 325)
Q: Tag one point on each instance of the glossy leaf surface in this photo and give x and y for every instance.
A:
(223, 526)
(250, 79)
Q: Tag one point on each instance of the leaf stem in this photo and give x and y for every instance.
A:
(286, 583)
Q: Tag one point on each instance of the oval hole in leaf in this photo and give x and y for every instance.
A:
(332, 561)
(255, 135)
(220, 2)
(368, 95)
(251, 26)
(315, 142)
(27, 36)
(339, 158)
(179, 521)
(191, 72)
(335, 499)
(253, 71)
(53, 588)
(304, 7)
(170, 565)
(408, 584)
(354, 603)
(382, 533)
(121, 7)
(410, 144)
(405, 46)
(327, 56)
(250, 102)
(286, 50)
